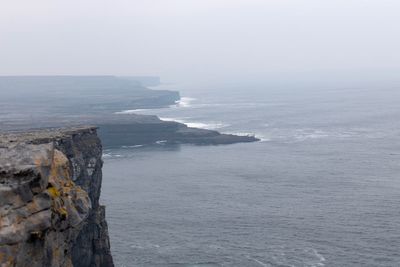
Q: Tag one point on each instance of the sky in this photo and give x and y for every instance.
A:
(194, 40)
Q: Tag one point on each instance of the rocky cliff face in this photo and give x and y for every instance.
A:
(50, 183)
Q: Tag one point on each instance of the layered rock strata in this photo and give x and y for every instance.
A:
(50, 183)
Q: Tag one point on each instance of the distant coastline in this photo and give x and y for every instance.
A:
(98, 101)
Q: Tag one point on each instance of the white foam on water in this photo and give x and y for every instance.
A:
(134, 146)
(172, 119)
(309, 134)
(201, 125)
(129, 111)
(107, 155)
(320, 257)
(263, 138)
(206, 105)
(304, 134)
(161, 142)
(111, 155)
(258, 261)
(185, 102)
(209, 126)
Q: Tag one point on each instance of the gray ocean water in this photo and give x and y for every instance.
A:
(322, 188)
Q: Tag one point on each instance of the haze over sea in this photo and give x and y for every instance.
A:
(322, 188)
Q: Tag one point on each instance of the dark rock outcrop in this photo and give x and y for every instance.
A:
(50, 182)
(169, 132)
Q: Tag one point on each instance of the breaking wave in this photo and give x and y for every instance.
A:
(202, 125)
(185, 102)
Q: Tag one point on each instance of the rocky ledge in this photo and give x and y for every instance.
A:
(50, 183)
(133, 129)
(120, 131)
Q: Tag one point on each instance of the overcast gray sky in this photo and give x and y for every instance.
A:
(193, 39)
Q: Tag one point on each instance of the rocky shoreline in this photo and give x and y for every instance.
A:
(94, 100)
(117, 134)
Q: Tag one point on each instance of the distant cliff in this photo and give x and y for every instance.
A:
(58, 101)
(145, 80)
(62, 96)
(50, 182)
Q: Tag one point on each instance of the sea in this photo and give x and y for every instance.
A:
(321, 188)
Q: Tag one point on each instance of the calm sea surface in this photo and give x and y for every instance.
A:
(322, 188)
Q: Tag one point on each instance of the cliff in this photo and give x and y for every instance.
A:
(63, 96)
(66, 101)
(50, 182)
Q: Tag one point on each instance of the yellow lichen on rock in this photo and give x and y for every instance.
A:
(46, 219)
(59, 170)
(53, 192)
(60, 185)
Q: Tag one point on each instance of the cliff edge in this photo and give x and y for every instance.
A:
(50, 182)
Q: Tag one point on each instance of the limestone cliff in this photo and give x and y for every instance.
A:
(50, 183)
